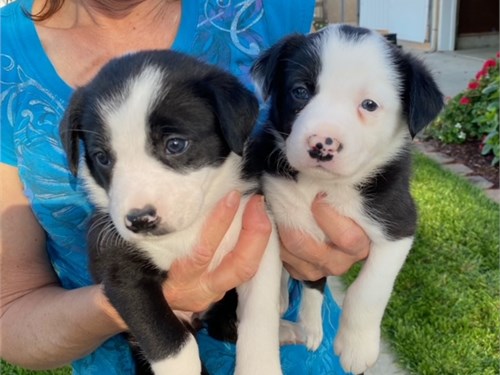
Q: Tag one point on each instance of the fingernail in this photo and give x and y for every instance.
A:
(262, 202)
(321, 195)
(232, 199)
(262, 210)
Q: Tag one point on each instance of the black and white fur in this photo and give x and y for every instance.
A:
(163, 135)
(344, 105)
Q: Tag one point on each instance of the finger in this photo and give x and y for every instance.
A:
(303, 246)
(300, 269)
(298, 254)
(243, 261)
(214, 229)
(339, 262)
(333, 262)
(218, 222)
(345, 234)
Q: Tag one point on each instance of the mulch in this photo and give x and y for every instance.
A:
(469, 154)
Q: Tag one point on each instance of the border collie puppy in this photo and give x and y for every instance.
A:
(344, 105)
(163, 136)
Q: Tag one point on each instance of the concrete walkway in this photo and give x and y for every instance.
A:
(454, 70)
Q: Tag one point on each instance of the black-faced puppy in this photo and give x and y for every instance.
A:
(163, 135)
(344, 105)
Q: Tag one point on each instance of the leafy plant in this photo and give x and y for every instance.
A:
(473, 114)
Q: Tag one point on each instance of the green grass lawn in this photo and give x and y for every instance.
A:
(443, 317)
(8, 369)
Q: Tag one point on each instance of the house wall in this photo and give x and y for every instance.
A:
(409, 19)
(334, 11)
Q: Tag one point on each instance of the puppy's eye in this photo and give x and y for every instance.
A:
(301, 93)
(369, 105)
(176, 146)
(102, 158)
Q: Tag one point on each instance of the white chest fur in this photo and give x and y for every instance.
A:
(291, 202)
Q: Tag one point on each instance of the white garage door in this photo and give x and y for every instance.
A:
(407, 18)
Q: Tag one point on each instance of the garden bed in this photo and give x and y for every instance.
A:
(469, 154)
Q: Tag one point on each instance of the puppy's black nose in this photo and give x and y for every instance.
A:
(323, 148)
(142, 219)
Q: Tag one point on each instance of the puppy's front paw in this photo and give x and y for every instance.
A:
(357, 349)
(313, 331)
(291, 333)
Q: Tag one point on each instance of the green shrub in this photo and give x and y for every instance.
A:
(473, 114)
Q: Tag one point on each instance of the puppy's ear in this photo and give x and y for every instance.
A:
(267, 70)
(421, 97)
(236, 108)
(69, 130)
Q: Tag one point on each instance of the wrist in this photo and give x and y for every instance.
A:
(109, 313)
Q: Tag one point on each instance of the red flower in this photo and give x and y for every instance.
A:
(473, 85)
(498, 54)
(489, 64)
(481, 74)
(464, 100)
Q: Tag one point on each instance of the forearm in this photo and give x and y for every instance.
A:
(51, 326)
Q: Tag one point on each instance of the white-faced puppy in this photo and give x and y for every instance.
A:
(344, 105)
(163, 136)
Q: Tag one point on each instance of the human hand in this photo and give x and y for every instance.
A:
(306, 259)
(190, 285)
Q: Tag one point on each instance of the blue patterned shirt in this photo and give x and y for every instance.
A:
(227, 33)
